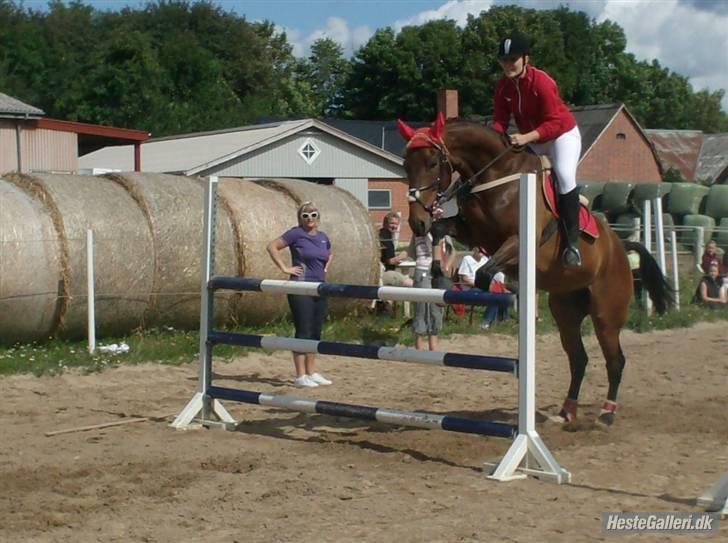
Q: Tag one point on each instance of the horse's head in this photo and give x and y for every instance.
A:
(429, 171)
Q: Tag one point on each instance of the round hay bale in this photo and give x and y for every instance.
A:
(722, 235)
(616, 198)
(122, 245)
(717, 202)
(173, 210)
(689, 237)
(686, 198)
(347, 223)
(30, 268)
(592, 191)
(648, 191)
(259, 214)
(625, 225)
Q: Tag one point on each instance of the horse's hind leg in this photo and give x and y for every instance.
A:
(569, 310)
(609, 313)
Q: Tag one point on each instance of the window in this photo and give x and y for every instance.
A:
(621, 136)
(380, 199)
(309, 151)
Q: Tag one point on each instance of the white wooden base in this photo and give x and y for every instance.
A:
(527, 456)
(715, 499)
(201, 404)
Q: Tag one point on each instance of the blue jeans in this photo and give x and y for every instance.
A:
(495, 312)
(308, 315)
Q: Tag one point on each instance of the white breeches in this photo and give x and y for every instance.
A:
(564, 153)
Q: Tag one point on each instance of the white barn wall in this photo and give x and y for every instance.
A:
(358, 187)
(282, 159)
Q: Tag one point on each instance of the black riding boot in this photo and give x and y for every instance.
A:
(569, 210)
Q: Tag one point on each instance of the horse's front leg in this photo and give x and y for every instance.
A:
(506, 256)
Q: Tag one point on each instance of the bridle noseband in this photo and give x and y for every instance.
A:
(453, 189)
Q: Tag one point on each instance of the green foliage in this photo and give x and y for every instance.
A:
(173, 66)
(673, 175)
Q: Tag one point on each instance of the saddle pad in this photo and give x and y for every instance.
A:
(587, 222)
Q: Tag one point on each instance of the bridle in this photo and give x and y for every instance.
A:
(454, 188)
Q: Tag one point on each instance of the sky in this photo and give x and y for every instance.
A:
(689, 37)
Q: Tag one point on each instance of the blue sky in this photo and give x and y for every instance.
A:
(686, 36)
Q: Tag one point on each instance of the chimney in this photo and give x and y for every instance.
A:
(447, 103)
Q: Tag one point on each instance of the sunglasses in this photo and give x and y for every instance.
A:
(312, 215)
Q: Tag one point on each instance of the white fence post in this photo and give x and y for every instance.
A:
(91, 295)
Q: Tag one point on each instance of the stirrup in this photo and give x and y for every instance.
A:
(571, 258)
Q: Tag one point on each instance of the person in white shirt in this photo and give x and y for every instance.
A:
(466, 272)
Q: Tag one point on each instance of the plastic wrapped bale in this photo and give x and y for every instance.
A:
(30, 268)
(625, 226)
(686, 198)
(601, 216)
(648, 191)
(616, 198)
(347, 223)
(123, 245)
(259, 215)
(721, 236)
(593, 192)
(689, 237)
(716, 204)
(173, 209)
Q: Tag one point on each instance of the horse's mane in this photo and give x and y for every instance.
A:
(480, 129)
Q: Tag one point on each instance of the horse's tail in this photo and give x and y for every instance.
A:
(660, 291)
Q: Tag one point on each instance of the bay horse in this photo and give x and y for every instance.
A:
(601, 288)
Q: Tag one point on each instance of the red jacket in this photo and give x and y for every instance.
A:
(534, 102)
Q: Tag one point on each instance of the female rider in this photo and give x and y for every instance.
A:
(545, 124)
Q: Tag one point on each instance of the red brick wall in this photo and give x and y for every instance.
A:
(398, 190)
(612, 159)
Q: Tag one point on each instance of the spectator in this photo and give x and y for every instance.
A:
(428, 316)
(710, 292)
(466, 273)
(310, 260)
(710, 256)
(389, 258)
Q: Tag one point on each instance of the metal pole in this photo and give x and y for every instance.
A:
(527, 307)
(91, 296)
(206, 295)
(659, 233)
(699, 247)
(675, 273)
(648, 244)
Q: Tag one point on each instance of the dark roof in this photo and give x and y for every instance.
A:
(679, 149)
(12, 107)
(382, 134)
(592, 121)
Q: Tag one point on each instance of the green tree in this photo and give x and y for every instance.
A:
(325, 72)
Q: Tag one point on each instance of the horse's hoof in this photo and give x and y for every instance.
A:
(606, 419)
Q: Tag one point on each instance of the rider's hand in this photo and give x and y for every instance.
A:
(519, 139)
(437, 213)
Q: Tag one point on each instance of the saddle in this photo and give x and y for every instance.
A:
(587, 221)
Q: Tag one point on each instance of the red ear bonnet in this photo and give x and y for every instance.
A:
(405, 130)
(438, 127)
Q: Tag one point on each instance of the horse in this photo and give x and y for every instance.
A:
(487, 198)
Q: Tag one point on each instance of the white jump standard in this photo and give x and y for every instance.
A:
(528, 455)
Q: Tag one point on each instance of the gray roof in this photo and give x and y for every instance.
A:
(12, 107)
(592, 121)
(198, 152)
(713, 159)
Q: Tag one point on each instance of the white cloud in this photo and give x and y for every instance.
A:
(458, 10)
(336, 29)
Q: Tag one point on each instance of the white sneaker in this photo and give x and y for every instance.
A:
(319, 379)
(304, 382)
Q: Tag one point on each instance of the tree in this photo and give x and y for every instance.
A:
(325, 72)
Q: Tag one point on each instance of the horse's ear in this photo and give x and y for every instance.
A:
(438, 127)
(405, 130)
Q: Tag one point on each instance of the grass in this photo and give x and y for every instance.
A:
(174, 347)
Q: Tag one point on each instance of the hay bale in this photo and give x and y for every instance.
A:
(686, 198)
(30, 268)
(648, 191)
(122, 249)
(593, 192)
(689, 237)
(722, 236)
(717, 202)
(346, 221)
(259, 214)
(173, 210)
(625, 225)
(616, 198)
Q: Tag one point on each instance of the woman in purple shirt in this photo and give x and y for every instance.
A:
(310, 259)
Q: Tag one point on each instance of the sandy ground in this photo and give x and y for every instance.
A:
(291, 477)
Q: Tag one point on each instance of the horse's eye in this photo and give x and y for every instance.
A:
(432, 163)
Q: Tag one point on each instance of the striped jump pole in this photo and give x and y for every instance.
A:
(526, 456)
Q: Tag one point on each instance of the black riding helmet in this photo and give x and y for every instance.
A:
(513, 46)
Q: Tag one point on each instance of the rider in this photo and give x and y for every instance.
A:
(545, 124)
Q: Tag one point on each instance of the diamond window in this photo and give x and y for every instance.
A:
(309, 151)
